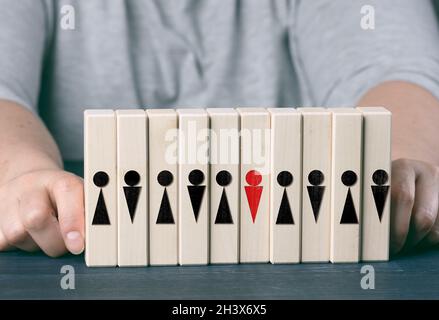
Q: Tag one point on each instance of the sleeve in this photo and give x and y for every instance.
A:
(23, 30)
(338, 61)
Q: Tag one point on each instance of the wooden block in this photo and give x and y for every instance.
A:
(255, 180)
(346, 184)
(224, 185)
(132, 188)
(376, 183)
(163, 180)
(285, 185)
(193, 192)
(316, 181)
(100, 188)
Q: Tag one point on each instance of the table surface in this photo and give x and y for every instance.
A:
(36, 276)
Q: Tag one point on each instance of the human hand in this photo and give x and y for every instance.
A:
(42, 209)
(415, 205)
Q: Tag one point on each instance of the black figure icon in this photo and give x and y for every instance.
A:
(196, 191)
(349, 215)
(132, 192)
(165, 215)
(380, 191)
(285, 216)
(101, 179)
(223, 215)
(315, 191)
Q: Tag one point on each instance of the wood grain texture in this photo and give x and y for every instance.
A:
(346, 158)
(316, 155)
(35, 276)
(255, 155)
(193, 158)
(132, 159)
(224, 150)
(163, 151)
(377, 133)
(100, 156)
(286, 162)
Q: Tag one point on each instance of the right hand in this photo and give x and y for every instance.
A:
(42, 209)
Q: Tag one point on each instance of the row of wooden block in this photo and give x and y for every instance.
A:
(306, 185)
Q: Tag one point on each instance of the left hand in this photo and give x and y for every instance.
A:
(415, 205)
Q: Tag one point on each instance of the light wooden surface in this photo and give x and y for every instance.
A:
(316, 155)
(255, 152)
(100, 155)
(193, 155)
(224, 150)
(376, 156)
(163, 151)
(286, 158)
(132, 156)
(346, 156)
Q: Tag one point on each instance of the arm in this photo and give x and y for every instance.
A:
(415, 167)
(41, 206)
(396, 66)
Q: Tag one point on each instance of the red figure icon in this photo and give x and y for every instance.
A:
(253, 191)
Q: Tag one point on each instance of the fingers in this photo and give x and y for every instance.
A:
(426, 204)
(29, 204)
(67, 194)
(415, 204)
(4, 246)
(37, 216)
(432, 237)
(15, 234)
(403, 199)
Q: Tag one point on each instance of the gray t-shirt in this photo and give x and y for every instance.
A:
(210, 53)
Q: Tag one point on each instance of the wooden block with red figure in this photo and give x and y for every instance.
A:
(255, 168)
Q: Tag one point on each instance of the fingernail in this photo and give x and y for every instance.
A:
(75, 243)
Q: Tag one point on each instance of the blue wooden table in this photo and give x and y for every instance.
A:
(36, 276)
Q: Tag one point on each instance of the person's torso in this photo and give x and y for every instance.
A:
(154, 54)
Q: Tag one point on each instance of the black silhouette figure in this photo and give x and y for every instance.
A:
(349, 215)
(101, 179)
(132, 192)
(223, 215)
(165, 215)
(380, 191)
(285, 216)
(315, 191)
(196, 192)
